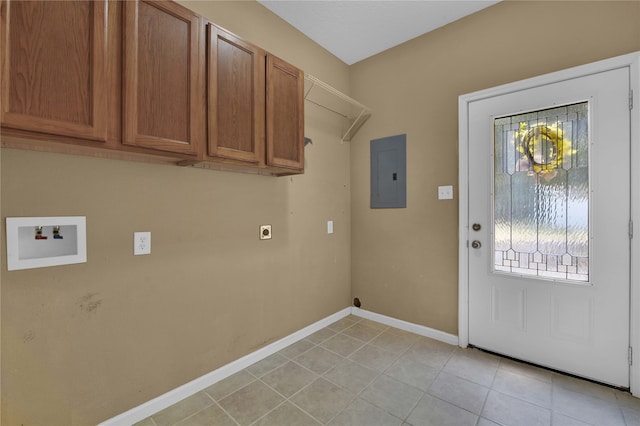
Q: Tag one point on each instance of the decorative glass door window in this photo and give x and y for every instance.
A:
(541, 193)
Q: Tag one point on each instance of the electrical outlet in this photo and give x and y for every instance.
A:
(141, 243)
(265, 232)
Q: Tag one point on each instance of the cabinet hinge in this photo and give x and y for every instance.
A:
(630, 355)
(630, 229)
(630, 99)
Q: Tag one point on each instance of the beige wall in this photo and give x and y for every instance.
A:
(404, 261)
(83, 343)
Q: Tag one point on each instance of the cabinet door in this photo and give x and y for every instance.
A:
(163, 88)
(236, 97)
(53, 67)
(285, 115)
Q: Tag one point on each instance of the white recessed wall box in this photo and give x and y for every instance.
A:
(38, 242)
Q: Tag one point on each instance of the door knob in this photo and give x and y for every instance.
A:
(476, 244)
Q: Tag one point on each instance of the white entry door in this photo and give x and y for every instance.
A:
(549, 225)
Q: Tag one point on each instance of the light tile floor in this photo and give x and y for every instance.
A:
(360, 372)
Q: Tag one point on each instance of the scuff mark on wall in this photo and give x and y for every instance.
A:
(29, 336)
(89, 303)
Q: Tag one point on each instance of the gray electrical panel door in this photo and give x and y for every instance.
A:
(389, 172)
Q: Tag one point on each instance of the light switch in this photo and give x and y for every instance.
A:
(329, 227)
(445, 192)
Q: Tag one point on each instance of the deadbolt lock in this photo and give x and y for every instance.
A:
(476, 227)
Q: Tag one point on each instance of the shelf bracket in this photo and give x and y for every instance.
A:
(331, 99)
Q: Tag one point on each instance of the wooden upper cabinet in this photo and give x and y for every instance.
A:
(255, 105)
(54, 67)
(130, 75)
(285, 115)
(236, 93)
(163, 91)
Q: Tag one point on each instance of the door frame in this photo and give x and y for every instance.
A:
(632, 61)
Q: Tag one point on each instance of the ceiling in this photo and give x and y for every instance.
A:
(354, 30)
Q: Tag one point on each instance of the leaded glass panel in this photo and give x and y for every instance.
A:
(541, 193)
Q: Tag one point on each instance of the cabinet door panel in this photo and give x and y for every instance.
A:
(236, 97)
(53, 67)
(162, 81)
(285, 115)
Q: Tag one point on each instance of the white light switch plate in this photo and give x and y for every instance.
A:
(445, 192)
(141, 243)
(329, 227)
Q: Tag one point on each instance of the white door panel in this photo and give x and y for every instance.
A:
(572, 318)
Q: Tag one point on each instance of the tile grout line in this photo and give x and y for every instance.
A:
(227, 413)
(323, 375)
(189, 415)
(383, 372)
(395, 357)
(426, 392)
(217, 401)
(441, 370)
(288, 359)
(357, 395)
(486, 398)
(319, 376)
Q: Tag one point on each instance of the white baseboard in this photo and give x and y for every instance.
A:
(151, 407)
(168, 399)
(407, 326)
